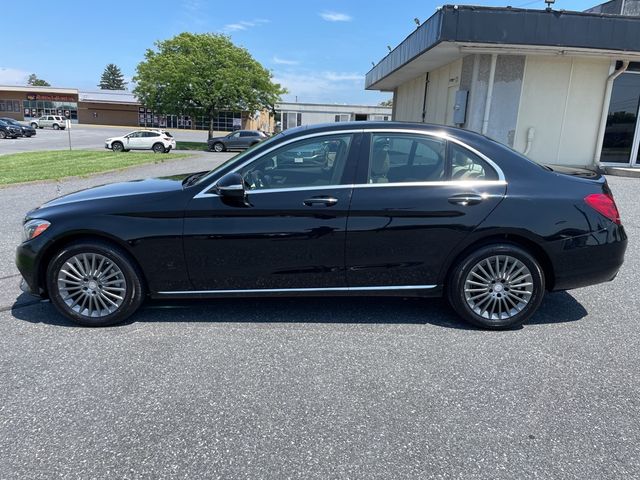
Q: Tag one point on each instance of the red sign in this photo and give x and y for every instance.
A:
(51, 98)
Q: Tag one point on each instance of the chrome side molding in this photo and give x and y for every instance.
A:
(299, 290)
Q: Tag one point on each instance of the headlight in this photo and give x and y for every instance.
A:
(34, 228)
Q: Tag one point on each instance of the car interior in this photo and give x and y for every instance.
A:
(304, 164)
(406, 158)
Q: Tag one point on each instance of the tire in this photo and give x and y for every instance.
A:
(167, 150)
(56, 126)
(28, 135)
(3, 134)
(34, 125)
(117, 147)
(40, 128)
(158, 148)
(94, 296)
(218, 147)
(493, 302)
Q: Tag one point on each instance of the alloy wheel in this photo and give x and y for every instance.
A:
(91, 285)
(498, 287)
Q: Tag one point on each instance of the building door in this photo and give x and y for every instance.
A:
(622, 133)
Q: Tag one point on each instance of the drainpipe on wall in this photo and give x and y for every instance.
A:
(487, 104)
(605, 110)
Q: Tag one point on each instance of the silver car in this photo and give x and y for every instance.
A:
(50, 121)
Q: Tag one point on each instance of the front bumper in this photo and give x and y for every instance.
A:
(27, 261)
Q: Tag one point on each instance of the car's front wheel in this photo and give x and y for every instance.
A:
(34, 125)
(117, 147)
(95, 284)
(3, 135)
(497, 287)
(218, 147)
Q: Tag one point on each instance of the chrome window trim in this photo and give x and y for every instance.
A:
(438, 134)
(455, 183)
(299, 290)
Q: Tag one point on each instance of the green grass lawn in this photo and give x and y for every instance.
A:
(51, 165)
(200, 146)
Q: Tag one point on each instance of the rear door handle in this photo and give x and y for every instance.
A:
(326, 201)
(465, 199)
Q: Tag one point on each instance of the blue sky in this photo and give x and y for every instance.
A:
(318, 49)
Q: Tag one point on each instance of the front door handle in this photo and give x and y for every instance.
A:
(465, 199)
(326, 201)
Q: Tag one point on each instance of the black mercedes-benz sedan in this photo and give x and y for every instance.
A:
(364, 208)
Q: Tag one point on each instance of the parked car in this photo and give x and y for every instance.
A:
(160, 141)
(238, 140)
(9, 131)
(393, 209)
(27, 131)
(49, 121)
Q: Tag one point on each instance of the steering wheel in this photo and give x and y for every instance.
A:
(257, 179)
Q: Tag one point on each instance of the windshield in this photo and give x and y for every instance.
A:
(239, 158)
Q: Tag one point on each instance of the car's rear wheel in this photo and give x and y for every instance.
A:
(158, 148)
(56, 126)
(497, 287)
(95, 284)
(117, 147)
(218, 147)
(34, 125)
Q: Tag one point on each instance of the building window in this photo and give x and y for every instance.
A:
(343, 117)
(380, 118)
(291, 120)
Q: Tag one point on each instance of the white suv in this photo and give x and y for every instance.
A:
(160, 141)
(53, 121)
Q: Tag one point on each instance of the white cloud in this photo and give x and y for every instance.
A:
(283, 61)
(13, 76)
(325, 87)
(335, 17)
(243, 25)
(340, 77)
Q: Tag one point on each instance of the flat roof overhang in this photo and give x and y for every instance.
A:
(455, 31)
(32, 89)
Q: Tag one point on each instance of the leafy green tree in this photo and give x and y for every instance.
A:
(386, 103)
(203, 74)
(37, 82)
(112, 78)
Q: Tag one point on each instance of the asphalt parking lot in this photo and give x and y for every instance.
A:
(316, 388)
(82, 137)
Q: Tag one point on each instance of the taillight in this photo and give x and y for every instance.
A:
(604, 204)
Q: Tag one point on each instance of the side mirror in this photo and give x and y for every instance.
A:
(231, 186)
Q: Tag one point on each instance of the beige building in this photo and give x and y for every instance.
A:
(561, 87)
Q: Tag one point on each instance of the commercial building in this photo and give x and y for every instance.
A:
(290, 114)
(562, 87)
(115, 107)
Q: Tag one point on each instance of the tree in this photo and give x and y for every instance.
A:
(112, 78)
(203, 74)
(37, 82)
(386, 103)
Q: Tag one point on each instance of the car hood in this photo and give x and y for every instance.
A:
(122, 189)
(216, 139)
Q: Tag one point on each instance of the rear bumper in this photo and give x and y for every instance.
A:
(588, 259)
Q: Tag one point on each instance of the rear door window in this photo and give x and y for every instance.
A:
(402, 158)
(467, 166)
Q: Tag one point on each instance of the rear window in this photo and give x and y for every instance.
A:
(167, 134)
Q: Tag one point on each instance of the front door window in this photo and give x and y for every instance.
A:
(309, 163)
